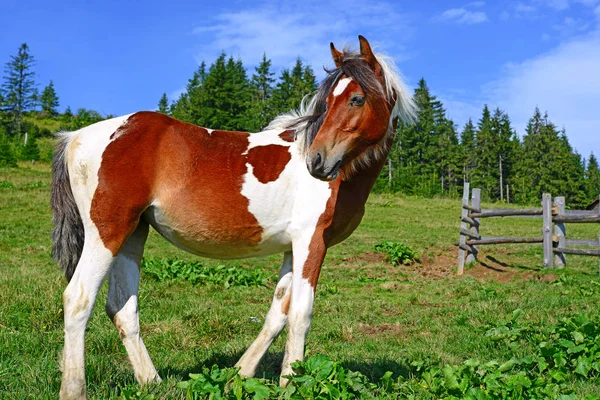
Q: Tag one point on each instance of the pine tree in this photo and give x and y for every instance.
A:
(485, 171)
(7, 158)
(20, 93)
(49, 100)
(416, 147)
(548, 164)
(260, 111)
(163, 104)
(592, 178)
(219, 98)
(467, 148)
(293, 86)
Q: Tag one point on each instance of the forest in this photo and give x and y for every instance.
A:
(432, 157)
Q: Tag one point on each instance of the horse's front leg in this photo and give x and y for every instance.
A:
(274, 322)
(309, 253)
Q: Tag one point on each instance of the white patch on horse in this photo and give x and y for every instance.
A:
(210, 131)
(267, 201)
(341, 86)
(85, 158)
(266, 138)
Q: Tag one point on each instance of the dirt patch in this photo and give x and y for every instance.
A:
(443, 265)
(498, 273)
(368, 257)
(377, 330)
(435, 266)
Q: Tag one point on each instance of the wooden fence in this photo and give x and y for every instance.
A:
(554, 238)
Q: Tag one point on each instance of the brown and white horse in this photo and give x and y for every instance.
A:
(296, 188)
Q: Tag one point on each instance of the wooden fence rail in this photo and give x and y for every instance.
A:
(554, 233)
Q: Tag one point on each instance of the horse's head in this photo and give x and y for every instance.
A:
(357, 112)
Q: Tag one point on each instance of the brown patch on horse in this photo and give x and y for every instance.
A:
(288, 136)
(280, 292)
(343, 213)
(195, 177)
(319, 241)
(268, 162)
(285, 305)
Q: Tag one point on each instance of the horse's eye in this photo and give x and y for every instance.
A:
(357, 100)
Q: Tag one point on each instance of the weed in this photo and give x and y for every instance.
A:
(170, 269)
(397, 253)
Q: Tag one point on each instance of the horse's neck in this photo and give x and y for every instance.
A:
(361, 182)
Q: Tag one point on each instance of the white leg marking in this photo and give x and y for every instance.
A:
(78, 302)
(341, 86)
(122, 304)
(274, 322)
(299, 315)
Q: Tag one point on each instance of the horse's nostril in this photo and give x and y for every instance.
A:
(317, 161)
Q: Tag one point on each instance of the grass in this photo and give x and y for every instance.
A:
(370, 316)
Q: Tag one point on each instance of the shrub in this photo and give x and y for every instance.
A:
(170, 269)
(7, 157)
(397, 253)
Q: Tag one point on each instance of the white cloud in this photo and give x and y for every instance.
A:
(463, 16)
(522, 8)
(561, 5)
(565, 82)
(558, 4)
(290, 29)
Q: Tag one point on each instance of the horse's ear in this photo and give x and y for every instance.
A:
(367, 54)
(337, 55)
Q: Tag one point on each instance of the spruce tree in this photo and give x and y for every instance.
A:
(221, 97)
(282, 94)
(417, 146)
(49, 100)
(548, 164)
(7, 157)
(592, 178)
(19, 87)
(260, 111)
(293, 86)
(163, 104)
(467, 149)
(485, 172)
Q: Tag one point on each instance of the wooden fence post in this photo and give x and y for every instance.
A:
(463, 225)
(474, 228)
(547, 230)
(560, 231)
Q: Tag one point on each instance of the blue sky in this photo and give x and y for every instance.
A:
(118, 57)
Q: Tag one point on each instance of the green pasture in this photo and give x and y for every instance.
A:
(370, 316)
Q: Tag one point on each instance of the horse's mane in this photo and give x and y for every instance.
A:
(307, 119)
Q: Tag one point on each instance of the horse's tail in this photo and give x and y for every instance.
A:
(67, 233)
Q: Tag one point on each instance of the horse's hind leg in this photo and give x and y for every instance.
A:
(78, 302)
(274, 322)
(122, 303)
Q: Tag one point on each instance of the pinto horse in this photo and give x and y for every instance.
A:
(296, 188)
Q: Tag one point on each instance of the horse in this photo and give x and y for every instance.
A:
(297, 188)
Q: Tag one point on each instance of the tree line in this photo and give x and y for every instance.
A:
(27, 115)
(432, 157)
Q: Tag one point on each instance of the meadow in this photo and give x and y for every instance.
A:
(506, 326)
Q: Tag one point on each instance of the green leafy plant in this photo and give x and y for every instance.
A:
(397, 253)
(170, 269)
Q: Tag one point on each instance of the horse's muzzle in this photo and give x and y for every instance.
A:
(319, 167)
